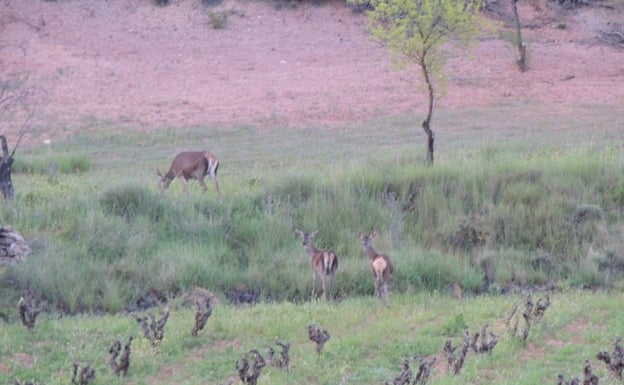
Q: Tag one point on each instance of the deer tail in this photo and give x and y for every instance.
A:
(330, 262)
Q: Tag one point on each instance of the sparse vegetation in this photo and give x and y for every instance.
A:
(218, 20)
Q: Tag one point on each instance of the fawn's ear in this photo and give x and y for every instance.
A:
(313, 234)
(373, 233)
(298, 232)
(359, 234)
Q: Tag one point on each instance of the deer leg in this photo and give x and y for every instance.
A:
(324, 285)
(313, 285)
(202, 184)
(216, 184)
(376, 282)
(330, 285)
(184, 184)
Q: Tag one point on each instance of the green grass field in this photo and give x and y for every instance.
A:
(528, 196)
(368, 342)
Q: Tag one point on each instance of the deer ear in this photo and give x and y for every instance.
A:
(159, 173)
(313, 234)
(373, 233)
(359, 234)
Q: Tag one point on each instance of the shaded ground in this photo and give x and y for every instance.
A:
(133, 63)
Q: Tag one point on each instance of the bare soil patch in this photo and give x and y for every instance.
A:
(135, 64)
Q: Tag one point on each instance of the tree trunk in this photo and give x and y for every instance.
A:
(6, 162)
(521, 59)
(430, 140)
(426, 124)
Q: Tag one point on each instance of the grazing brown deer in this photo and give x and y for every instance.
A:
(324, 263)
(191, 165)
(381, 264)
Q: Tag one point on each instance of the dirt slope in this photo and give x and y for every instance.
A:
(146, 66)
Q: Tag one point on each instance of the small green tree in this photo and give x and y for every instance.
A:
(416, 32)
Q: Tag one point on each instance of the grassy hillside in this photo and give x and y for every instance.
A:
(506, 205)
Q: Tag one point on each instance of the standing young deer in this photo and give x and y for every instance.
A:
(191, 165)
(381, 264)
(324, 263)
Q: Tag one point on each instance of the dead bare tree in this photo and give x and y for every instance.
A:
(521, 58)
(18, 100)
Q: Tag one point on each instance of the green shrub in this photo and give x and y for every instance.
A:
(218, 20)
(131, 201)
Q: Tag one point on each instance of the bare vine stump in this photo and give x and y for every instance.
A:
(456, 361)
(319, 336)
(28, 311)
(249, 374)
(83, 376)
(124, 362)
(153, 330)
(405, 375)
(614, 361)
(13, 247)
(533, 313)
(425, 364)
(283, 361)
(205, 301)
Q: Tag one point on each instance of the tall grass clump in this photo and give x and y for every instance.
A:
(48, 165)
(130, 201)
